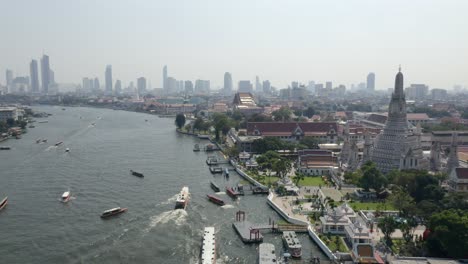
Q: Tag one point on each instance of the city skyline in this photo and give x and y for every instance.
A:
(301, 47)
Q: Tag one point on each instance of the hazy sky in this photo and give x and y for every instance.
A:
(282, 41)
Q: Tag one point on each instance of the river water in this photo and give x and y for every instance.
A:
(36, 227)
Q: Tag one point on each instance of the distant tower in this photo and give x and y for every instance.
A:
(346, 148)
(435, 157)
(367, 151)
(258, 86)
(452, 161)
(108, 79)
(34, 76)
(227, 83)
(266, 86)
(97, 87)
(165, 88)
(141, 85)
(45, 73)
(371, 81)
(118, 87)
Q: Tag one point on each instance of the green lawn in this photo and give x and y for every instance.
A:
(312, 181)
(371, 206)
(332, 243)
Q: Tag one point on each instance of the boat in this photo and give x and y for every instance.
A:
(216, 170)
(67, 150)
(31, 126)
(38, 141)
(42, 122)
(240, 189)
(18, 137)
(66, 197)
(210, 147)
(93, 124)
(212, 160)
(5, 148)
(266, 254)
(226, 171)
(58, 143)
(292, 243)
(183, 198)
(216, 199)
(260, 190)
(113, 211)
(196, 147)
(44, 140)
(63, 109)
(214, 186)
(208, 252)
(231, 192)
(200, 136)
(3, 203)
(134, 173)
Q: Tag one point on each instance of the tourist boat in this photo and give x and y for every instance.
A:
(231, 192)
(240, 189)
(214, 186)
(291, 242)
(208, 252)
(226, 171)
(260, 190)
(210, 147)
(196, 147)
(58, 143)
(134, 173)
(216, 170)
(212, 160)
(3, 203)
(66, 197)
(5, 148)
(203, 136)
(67, 150)
(183, 198)
(216, 200)
(266, 254)
(113, 211)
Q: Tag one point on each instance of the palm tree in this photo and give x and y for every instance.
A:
(299, 176)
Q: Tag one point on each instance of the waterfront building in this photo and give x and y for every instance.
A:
(227, 83)
(397, 147)
(34, 76)
(109, 82)
(45, 74)
(325, 132)
(9, 113)
(371, 82)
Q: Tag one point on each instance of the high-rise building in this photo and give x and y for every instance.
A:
(371, 81)
(97, 87)
(45, 73)
(108, 79)
(294, 85)
(328, 85)
(141, 85)
(266, 86)
(311, 87)
(118, 87)
(180, 86)
(188, 87)
(202, 86)
(165, 79)
(245, 87)
(439, 94)
(171, 85)
(51, 77)
(87, 84)
(9, 77)
(258, 86)
(34, 76)
(417, 91)
(227, 83)
(397, 147)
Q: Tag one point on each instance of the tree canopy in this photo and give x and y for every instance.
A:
(180, 120)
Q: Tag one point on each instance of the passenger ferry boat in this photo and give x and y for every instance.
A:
(231, 192)
(3, 203)
(214, 186)
(66, 197)
(208, 252)
(266, 254)
(183, 198)
(215, 170)
(113, 211)
(216, 200)
(291, 242)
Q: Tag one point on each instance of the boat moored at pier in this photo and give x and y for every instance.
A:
(183, 198)
(266, 254)
(208, 252)
(113, 212)
(216, 200)
(214, 186)
(292, 243)
(231, 192)
(215, 170)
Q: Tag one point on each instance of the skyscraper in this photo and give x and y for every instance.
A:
(45, 73)
(245, 87)
(188, 87)
(9, 77)
(266, 86)
(97, 86)
(258, 86)
(328, 85)
(227, 83)
(108, 79)
(371, 81)
(118, 87)
(165, 88)
(141, 85)
(34, 76)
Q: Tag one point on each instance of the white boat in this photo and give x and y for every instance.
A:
(292, 243)
(208, 253)
(183, 198)
(67, 150)
(266, 254)
(66, 197)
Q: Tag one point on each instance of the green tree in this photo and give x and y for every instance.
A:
(353, 177)
(298, 177)
(387, 225)
(282, 114)
(449, 230)
(372, 178)
(180, 120)
(309, 112)
(198, 124)
(310, 142)
(281, 167)
(407, 228)
(402, 201)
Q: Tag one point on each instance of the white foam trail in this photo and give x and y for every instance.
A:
(221, 193)
(179, 217)
(228, 206)
(170, 200)
(49, 148)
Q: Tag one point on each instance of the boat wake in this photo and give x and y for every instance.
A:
(170, 200)
(178, 217)
(50, 147)
(220, 193)
(228, 206)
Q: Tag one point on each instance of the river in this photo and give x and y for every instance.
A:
(36, 227)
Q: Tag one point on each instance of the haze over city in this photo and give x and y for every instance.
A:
(339, 41)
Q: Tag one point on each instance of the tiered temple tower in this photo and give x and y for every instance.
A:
(452, 161)
(397, 147)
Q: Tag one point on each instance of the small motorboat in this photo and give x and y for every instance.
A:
(58, 143)
(216, 200)
(31, 126)
(44, 140)
(67, 150)
(231, 192)
(66, 197)
(3, 203)
(5, 148)
(134, 173)
(38, 141)
(214, 186)
(113, 212)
